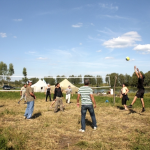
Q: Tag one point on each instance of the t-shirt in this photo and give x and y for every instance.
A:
(48, 89)
(58, 93)
(68, 91)
(23, 89)
(28, 96)
(85, 92)
(140, 83)
(123, 90)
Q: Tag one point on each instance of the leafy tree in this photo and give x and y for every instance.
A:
(134, 80)
(34, 80)
(3, 68)
(11, 69)
(59, 79)
(112, 79)
(147, 78)
(127, 80)
(121, 79)
(50, 80)
(99, 80)
(25, 79)
(10, 72)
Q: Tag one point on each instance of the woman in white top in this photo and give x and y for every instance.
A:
(124, 96)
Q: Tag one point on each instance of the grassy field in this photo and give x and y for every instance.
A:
(117, 129)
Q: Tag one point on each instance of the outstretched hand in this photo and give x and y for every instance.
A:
(134, 67)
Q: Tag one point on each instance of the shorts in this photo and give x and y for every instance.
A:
(140, 93)
(124, 99)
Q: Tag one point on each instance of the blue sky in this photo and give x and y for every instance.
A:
(65, 37)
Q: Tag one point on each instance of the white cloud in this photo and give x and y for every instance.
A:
(3, 35)
(78, 25)
(126, 40)
(42, 58)
(80, 44)
(114, 17)
(143, 48)
(15, 37)
(99, 51)
(65, 53)
(109, 57)
(17, 20)
(32, 52)
(108, 6)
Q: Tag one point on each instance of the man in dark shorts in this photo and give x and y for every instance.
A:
(141, 90)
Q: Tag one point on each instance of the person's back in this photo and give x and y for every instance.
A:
(28, 95)
(85, 92)
(87, 101)
(140, 83)
(23, 89)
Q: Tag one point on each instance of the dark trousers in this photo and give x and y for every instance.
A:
(48, 95)
(84, 109)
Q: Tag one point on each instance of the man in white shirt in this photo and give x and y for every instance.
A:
(22, 93)
(68, 93)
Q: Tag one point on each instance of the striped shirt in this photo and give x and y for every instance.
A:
(85, 92)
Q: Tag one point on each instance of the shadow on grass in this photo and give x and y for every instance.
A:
(131, 111)
(36, 115)
(88, 123)
(120, 107)
(2, 105)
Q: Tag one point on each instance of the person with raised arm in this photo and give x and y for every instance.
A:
(141, 90)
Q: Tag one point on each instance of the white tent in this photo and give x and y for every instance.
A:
(39, 86)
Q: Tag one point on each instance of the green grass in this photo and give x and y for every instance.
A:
(98, 99)
(9, 135)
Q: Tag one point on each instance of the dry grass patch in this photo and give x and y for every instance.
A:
(117, 129)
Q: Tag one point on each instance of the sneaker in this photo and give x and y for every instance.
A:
(18, 102)
(130, 106)
(95, 128)
(81, 130)
(143, 109)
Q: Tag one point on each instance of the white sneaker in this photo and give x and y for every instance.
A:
(81, 130)
(95, 128)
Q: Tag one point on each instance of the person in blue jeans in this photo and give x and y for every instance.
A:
(30, 97)
(87, 101)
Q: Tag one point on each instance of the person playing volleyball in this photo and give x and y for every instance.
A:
(141, 90)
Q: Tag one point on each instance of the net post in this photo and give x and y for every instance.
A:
(115, 88)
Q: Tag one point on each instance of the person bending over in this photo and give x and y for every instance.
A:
(141, 90)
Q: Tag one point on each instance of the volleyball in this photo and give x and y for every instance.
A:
(127, 58)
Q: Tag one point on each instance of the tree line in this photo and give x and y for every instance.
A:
(127, 79)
